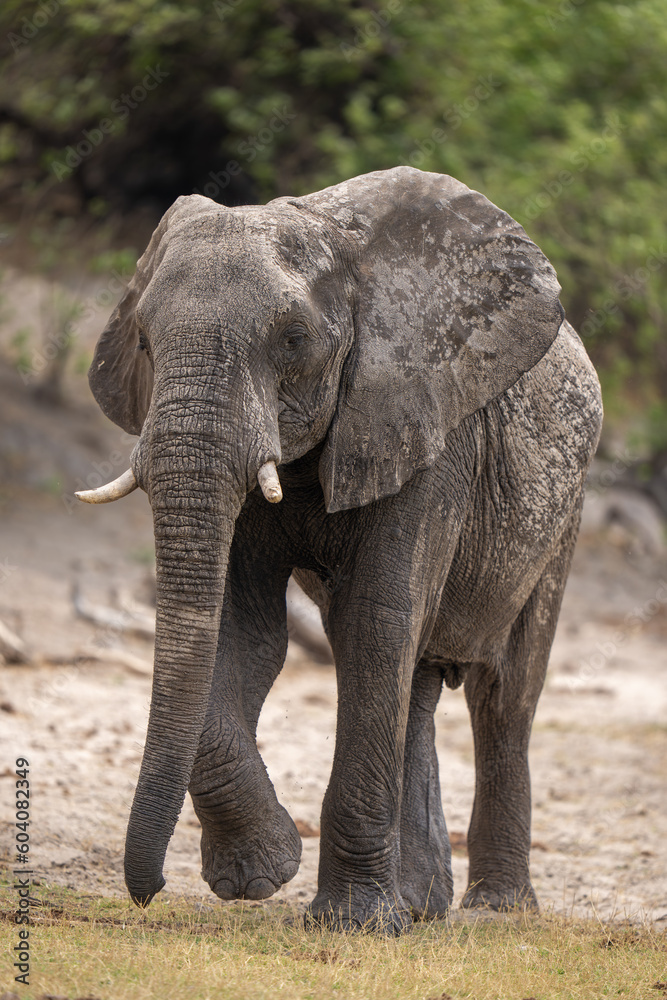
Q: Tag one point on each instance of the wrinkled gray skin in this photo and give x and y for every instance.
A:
(396, 345)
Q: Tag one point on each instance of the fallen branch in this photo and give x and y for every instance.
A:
(126, 600)
(304, 625)
(114, 619)
(135, 664)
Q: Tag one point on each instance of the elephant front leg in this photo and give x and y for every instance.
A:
(426, 860)
(360, 864)
(250, 846)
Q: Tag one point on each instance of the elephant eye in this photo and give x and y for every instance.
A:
(143, 343)
(293, 339)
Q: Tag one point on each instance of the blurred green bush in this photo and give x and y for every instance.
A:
(556, 110)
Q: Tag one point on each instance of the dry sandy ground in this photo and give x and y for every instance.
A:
(598, 753)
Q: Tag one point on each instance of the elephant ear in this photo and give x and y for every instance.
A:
(121, 375)
(454, 304)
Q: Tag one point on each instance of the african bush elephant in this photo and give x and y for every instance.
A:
(387, 358)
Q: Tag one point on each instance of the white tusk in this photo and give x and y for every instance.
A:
(112, 491)
(267, 477)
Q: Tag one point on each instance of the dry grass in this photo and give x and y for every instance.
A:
(86, 946)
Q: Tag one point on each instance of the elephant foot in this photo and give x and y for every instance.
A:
(486, 893)
(354, 912)
(249, 844)
(252, 864)
(427, 889)
(427, 883)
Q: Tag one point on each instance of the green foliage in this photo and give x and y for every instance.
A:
(123, 261)
(556, 110)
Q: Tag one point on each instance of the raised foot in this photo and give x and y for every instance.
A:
(370, 914)
(252, 864)
(500, 898)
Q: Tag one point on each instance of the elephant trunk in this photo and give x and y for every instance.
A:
(191, 563)
(196, 484)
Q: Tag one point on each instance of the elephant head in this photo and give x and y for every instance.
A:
(370, 318)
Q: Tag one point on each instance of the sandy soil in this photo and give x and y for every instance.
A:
(599, 747)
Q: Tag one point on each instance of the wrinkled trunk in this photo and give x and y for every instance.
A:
(195, 500)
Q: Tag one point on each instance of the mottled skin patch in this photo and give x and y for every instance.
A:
(396, 346)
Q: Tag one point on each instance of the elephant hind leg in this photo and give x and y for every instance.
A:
(502, 700)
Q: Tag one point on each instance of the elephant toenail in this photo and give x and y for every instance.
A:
(289, 870)
(259, 888)
(224, 889)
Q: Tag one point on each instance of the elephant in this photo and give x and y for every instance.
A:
(374, 388)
